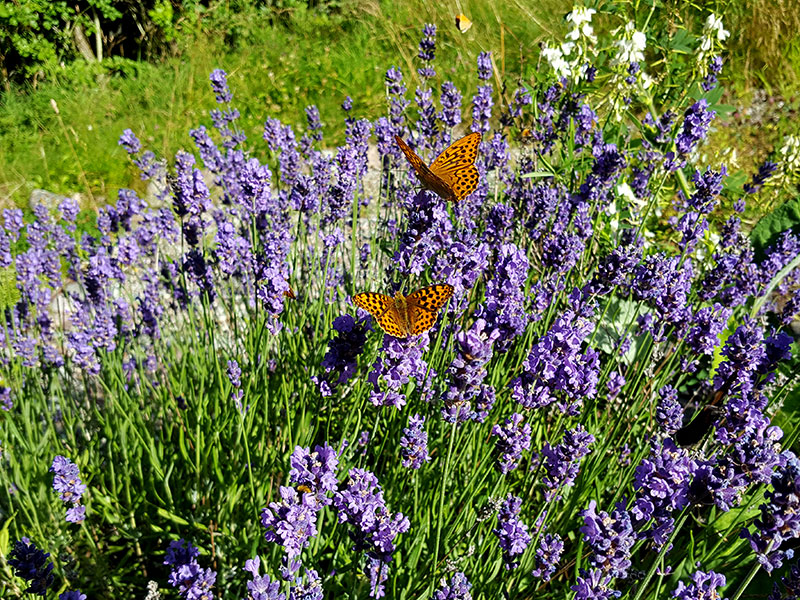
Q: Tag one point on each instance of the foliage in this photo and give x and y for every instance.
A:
(595, 413)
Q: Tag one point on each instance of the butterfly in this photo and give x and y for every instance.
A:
(453, 175)
(403, 316)
(463, 23)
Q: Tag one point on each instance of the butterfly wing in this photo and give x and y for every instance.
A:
(392, 324)
(463, 23)
(382, 308)
(456, 165)
(424, 304)
(374, 304)
(427, 177)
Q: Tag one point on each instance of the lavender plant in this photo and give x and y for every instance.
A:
(236, 428)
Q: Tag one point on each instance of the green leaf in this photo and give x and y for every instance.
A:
(783, 218)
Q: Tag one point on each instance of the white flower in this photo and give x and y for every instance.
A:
(580, 15)
(712, 30)
(631, 47)
(791, 152)
(625, 191)
(714, 26)
(555, 57)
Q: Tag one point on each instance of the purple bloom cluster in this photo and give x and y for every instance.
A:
(261, 587)
(32, 565)
(702, 585)
(68, 484)
(562, 462)
(511, 532)
(513, 438)
(557, 368)
(669, 413)
(594, 585)
(374, 528)
(765, 171)
(466, 375)
(551, 546)
(341, 359)
(401, 361)
(611, 538)
(696, 121)
(193, 581)
(292, 520)
(780, 516)
(662, 483)
(458, 588)
(414, 443)
(427, 51)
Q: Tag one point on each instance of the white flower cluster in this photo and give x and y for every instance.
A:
(569, 58)
(713, 31)
(631, 47)
(790, 153)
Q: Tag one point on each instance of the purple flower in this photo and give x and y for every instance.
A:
(702, 586)
(341, 359)
(427, 51)
(615, 382)
(450, 100)
(374, 529)
(414, 443)
(31, 564)
(484, 66)
(556, 369)
(594, 585)
(780, 516)
(696, 121)
(378, 574)
(68, 484)
(193, 581)
(504, 310)
(311, 589)
(291, 521)
(662, 484)
(547, 556)
(261, 587)
(765, 171)
(458, 588)
(482, 109)
(511, 531)
(467, 372)
(669, 413)
(611, 538)
(76, 595)
(6, 403)
(130, 142)
(400, 361)
(316, 470)
(234, 373)
(513, 439)
(708, 186)
(709, 324)
(219, 84)
(562, 461)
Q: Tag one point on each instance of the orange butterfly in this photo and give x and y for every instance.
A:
(463, 23)
(403, 316)
(453, 175)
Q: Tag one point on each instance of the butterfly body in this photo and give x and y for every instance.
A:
(453, 175)
(403, 316)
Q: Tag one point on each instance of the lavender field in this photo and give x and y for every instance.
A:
(192, 405)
